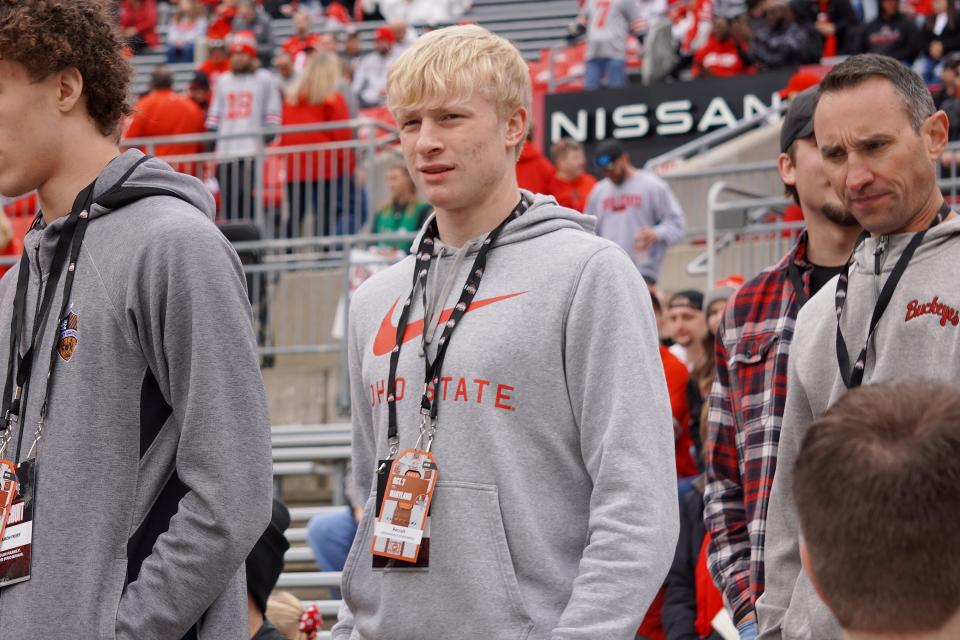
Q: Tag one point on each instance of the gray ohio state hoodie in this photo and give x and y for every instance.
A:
(154, 473)
(917, 337)
(555, 515)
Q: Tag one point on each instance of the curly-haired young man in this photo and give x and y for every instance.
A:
(132, 401)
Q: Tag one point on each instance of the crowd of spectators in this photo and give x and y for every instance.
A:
(712, 38)
(771, 34)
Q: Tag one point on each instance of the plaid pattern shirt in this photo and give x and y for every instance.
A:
(745, 412)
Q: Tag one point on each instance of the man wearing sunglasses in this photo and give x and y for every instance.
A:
(635, 209)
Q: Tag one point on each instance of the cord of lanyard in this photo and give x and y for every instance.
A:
(424, 257)
(15, 395)
(854, 377)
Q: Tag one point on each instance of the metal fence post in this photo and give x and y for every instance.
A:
(371, 165)
(712, 196)
(343, 396)
(259, 187)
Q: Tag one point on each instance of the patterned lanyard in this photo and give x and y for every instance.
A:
(424, 258)
(854, 378)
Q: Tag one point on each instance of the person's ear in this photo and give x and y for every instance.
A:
(69, 87)
(936, 132)
(788, 172)
(516, 129)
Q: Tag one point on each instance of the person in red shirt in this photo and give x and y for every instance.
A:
(138, 23)
(302, 39)
(321, 180)
(723, 54)
(534, 171)
(221, 21)
(571, 184)
(163, 112)
(217, 62)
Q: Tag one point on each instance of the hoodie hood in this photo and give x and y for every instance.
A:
(543, 216)
(151, 173)
(123, 171)
(865, 255)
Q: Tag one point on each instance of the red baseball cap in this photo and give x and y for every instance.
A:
(244, 42)
(385, 34)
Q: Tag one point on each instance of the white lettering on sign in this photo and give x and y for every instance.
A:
(560, 123)
(718, 113)
(675, 118)
(630, 121)
(669, 118)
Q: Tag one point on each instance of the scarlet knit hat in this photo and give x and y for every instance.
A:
(385, 34)
(244, 42)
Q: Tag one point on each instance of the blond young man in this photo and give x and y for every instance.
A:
(555, 514)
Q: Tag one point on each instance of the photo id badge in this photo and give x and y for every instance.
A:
(402, 514)
(15, 544)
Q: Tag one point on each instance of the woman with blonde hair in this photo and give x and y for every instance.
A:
(322, 179)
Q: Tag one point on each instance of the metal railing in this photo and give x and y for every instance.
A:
(286, 190)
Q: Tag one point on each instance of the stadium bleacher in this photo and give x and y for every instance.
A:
(533, 25)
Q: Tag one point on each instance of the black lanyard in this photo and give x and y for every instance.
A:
(68, 245)
(854, 378)
(796, 279)
(424, 257)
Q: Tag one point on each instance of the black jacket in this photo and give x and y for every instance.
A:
(898, 38)
(784, 47)
(950, 36)
(680, 595)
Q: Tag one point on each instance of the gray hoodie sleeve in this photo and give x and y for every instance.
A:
(672, 223)
(186, 309)
(781, 549)
(618, 394)
(364, 451)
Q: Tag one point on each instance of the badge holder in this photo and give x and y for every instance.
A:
(405, 486)
(16, 520)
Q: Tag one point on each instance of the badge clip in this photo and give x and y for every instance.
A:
(428, 429)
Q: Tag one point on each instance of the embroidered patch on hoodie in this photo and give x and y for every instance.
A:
(69, 335)
(915, 309)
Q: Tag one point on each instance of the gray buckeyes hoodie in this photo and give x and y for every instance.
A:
(154, 476)
(917, 337)
(556, 511)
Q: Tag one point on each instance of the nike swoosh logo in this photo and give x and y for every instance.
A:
(386, 338)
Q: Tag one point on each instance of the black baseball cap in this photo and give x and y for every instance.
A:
(200, 80)
(688, 298)
(607, 153)
(798, 123)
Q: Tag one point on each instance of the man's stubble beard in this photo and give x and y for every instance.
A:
(839, 216)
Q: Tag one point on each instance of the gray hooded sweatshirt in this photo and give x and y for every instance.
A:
(918, 336)
(154, 475)
(555, 515)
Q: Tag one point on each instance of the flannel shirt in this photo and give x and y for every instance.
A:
(745, 413)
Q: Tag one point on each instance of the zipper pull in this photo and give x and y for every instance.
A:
(878, 254)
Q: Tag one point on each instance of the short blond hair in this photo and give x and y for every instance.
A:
(455, 62)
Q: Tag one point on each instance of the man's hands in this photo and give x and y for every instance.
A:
(644, 239)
